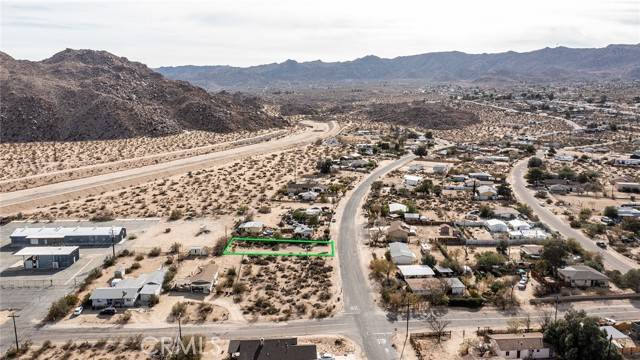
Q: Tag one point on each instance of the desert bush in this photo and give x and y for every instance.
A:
(175, 214)
(154, 252)
(178, 309)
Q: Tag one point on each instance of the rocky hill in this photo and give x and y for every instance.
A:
(548, 65)
(87, 95)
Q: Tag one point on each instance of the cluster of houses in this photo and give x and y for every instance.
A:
(422, 279)
(136, 291)
(516, 229)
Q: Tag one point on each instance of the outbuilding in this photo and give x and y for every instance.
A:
(48, 257)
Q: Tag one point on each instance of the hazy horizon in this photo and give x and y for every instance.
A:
(248, 33)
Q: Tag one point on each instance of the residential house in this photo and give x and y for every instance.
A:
(441, 169)
(415, 168)
(411, 180)
(482, 176)
(251, 228)
(486, 192)
(531, 251)
(520, 346)
(583, 276)
(303, 231)
(204, 279)
(517, 224)
(414, 218)
(271, 349)
(397, 208)
(295, 188)
(458, 178)
(425, 286)
(152, 286)
(560, 189)
(628, 186)
(506, 213)
(313, 211)
(401, 254)
(308, 195)
(48, 257)
(398, 231)
(415, 271)
(622, 342)
(531, 234)
(496, 226)
(628, 212)
(114, 296)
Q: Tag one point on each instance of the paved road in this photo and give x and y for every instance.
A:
(612, 259)
(16, 201)
(373, 327)
(362, 320)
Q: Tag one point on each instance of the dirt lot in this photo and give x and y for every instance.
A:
(236, 188)
(497, 124)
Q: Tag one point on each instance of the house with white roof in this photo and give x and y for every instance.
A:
(486, 192)
(495, 225)
(397, 208)
(415, 271)
(411, 180)
(251, 227)
(401, 254)
(518, 224)
(583, 276)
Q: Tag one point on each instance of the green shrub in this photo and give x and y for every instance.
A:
(467, 301)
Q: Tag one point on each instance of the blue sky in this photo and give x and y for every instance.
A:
(245, 33)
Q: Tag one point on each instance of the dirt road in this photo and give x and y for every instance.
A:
(22, 200)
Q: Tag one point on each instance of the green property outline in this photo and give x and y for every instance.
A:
(227, 248)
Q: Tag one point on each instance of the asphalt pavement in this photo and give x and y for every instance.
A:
(612, 260)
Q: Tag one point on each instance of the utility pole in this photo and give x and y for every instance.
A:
(407, 335)
(180, 327)
(113, 243)
(555, 317)
(15, 331)
(609, 346)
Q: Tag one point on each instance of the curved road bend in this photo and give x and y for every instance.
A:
(13, 202)
(612, 259)
(373, 327)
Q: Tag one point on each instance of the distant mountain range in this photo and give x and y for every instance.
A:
(548, 65)
(89, 95)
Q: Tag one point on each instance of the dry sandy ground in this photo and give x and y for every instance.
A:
(4, 316)
(234, 188)
(27, 159)
(93, 166)
(496, 124)
(429, 349)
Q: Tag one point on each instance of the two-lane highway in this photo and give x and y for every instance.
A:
(22, 200)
